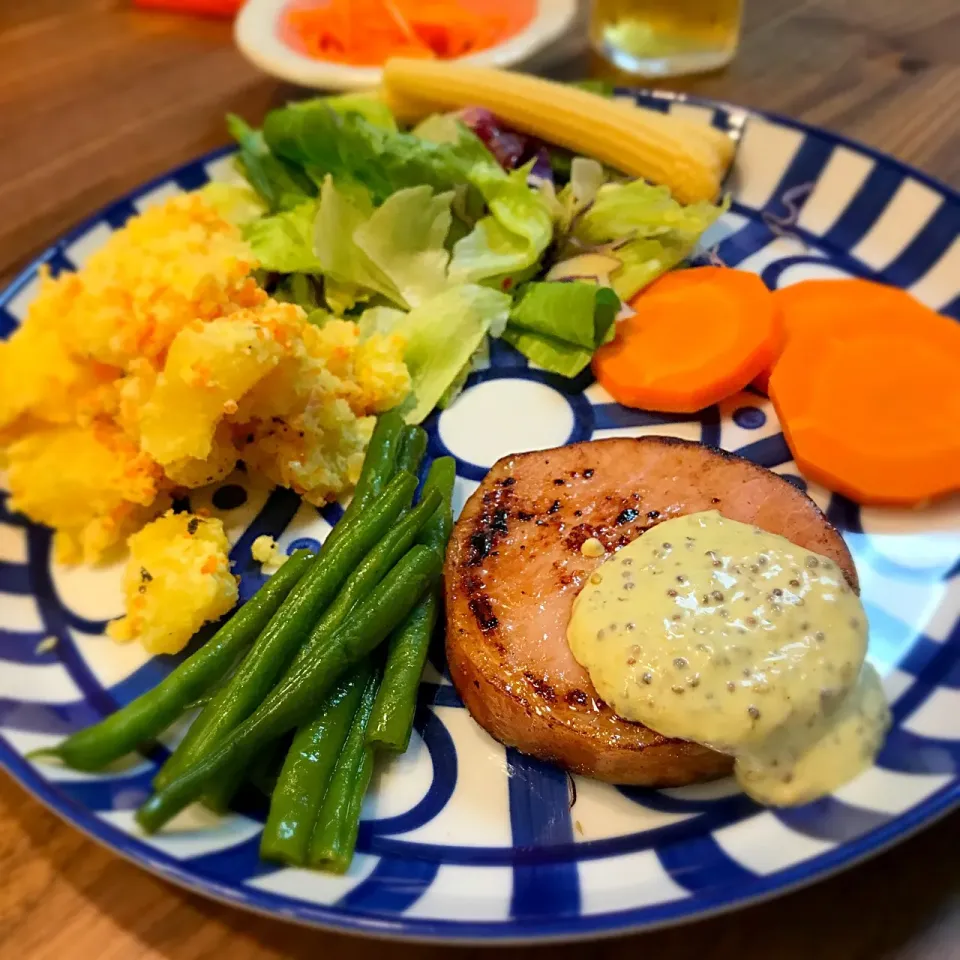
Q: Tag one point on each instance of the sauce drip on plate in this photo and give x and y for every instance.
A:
(715, 631)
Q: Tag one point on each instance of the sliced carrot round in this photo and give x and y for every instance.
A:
(874, 414)
(841, 304)
(696, 336)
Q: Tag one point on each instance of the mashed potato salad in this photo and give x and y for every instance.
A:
(154, 369)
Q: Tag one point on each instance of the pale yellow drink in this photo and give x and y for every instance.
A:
(665, 38)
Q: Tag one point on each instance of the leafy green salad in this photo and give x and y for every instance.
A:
(442, 235)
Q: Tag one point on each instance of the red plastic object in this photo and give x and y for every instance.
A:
(200, 8)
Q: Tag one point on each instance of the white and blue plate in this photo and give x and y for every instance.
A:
(463, 839)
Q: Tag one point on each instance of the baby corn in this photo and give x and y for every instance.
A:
(689, 158)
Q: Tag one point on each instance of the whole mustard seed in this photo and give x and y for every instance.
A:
(592, 547)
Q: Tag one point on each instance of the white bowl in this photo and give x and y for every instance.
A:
(257, 33)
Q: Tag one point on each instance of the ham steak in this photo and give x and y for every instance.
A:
(514, 567)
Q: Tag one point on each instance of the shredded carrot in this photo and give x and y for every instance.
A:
(837, 304)
(873, 414)
(369, 32)
(696, 336)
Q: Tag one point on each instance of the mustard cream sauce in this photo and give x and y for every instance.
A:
(718, 632)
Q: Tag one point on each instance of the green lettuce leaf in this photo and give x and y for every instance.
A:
(281, 185)
(480, 357)
(379, 320)
(559, 325)
(350, 148)
(638, 209)
(283, 242)
(646, 259)
(324, 141)
(447, 128)
(352, 274)
(299, 288)
(372, 109)
(237, 202)
(645, 228)
(318, 317)
(586, 178)
(404, 239)
(512, 238)
(396, 250)
(443, 335)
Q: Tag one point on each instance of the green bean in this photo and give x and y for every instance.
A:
(379, 465)
(264, 769)
(396, 703)
(372, 569)
(335, 833)
(150, 714)
(292, 701)
(302, 784)
(288, 628)
(303, 780)
(413, 445)
(441, 477)
(201, 701)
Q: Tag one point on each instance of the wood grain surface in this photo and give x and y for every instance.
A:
(96, 98)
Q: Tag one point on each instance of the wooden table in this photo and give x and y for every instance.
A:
(95, 99)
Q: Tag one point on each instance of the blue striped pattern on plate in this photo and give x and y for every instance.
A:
(463, 839)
